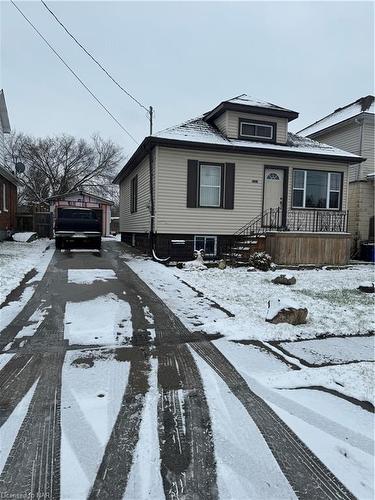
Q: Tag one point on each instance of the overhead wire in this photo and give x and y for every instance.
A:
(73, 37)
(73, 72)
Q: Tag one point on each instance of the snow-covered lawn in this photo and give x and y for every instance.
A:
(233, 302)
(353, 380)
(335, 305)
(16, 260)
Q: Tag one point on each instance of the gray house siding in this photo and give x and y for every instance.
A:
(173, 216)
(228, 124)
(139, 221)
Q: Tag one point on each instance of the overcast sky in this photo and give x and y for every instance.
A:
(183, 58)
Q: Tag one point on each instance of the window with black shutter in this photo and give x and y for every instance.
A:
(210, 185)
(134, 194)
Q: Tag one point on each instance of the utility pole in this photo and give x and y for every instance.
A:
(151, 171)
(151, 113)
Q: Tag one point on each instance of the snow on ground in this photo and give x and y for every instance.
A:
(338, 432)
(91, 398)
(88, 276)
(16, 260)
(353, 467)
(145, 481)
(4, 358)
(35, 321)
(24, 237)
(333, 350)
(83, 325)
(239, 454)
(355, 379)
(9, 430)
(327, 294)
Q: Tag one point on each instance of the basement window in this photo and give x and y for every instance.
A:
(206, 243)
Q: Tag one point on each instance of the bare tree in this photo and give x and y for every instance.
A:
(62, 164)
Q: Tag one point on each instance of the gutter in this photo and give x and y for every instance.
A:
(151, 141)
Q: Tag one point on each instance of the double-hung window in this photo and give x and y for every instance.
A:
(134, 194)
(210, 185)
(316, 189)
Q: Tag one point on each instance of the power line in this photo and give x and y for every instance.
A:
(73, 72)
(93, 58)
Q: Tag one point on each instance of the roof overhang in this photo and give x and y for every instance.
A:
(243, 108)
(4, 172)
(4, 114)
(149, 142)
(72, 193)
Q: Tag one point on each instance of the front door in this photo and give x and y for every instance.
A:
(273, 194)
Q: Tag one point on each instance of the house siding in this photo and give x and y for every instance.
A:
(7, 218)
(173, 216)
(232, 121)
(348, 138)
(139, 221)
(368, 148)
(222, 123)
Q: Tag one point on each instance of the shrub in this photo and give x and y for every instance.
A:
(261, 261)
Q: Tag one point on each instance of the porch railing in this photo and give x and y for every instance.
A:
(317, 221)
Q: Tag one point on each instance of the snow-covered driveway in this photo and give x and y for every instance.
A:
(109, 393)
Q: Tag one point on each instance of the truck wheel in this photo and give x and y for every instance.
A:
(98, 243)
(58, 243)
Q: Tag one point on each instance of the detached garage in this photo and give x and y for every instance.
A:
(82, 199)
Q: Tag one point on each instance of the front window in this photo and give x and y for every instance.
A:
(206, 243)
(210, 186)
(316, 189)
(257, 130)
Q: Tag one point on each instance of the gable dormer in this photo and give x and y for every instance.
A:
(245, 118)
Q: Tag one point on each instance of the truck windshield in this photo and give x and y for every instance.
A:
(76, 214)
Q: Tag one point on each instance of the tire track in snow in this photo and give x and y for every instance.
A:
(308, 476)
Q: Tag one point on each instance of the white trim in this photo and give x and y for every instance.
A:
(257, 125)
(329, 190)
(205, 237)
(209, 185)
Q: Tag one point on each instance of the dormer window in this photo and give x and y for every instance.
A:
(254, 129)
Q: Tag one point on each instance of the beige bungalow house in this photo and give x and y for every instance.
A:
(352, 128)
(233, 180)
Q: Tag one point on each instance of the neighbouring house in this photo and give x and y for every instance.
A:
(234, 180)
(82, 199)
(8, 181)
(352, 129)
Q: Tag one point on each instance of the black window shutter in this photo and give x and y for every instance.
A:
(229, 185)
(192, 184)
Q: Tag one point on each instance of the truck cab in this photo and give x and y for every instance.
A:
(77, 227)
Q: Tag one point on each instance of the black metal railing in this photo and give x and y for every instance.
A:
(269, 220)
(312, 220)
(317, 221)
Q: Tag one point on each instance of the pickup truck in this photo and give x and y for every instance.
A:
(77, 227)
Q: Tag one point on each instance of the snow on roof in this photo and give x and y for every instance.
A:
(362, 105)
(247, 100)
(197, 130)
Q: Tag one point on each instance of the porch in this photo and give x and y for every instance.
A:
(293, 237)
